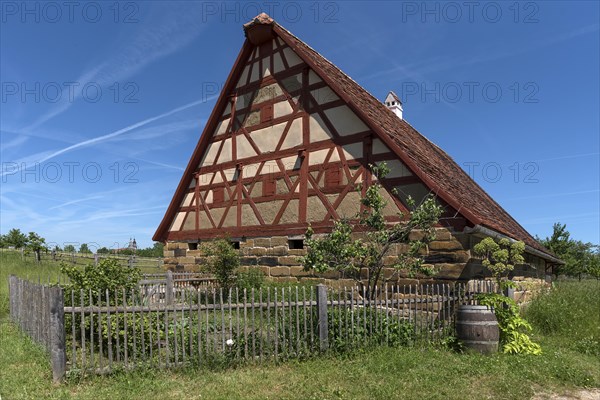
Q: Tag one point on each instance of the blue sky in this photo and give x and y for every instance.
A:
(103, 102)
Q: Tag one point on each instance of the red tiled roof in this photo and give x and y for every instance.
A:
(436, 168)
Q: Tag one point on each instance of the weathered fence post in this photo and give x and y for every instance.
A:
(58, 357)
(96, 259)
(322, 313)
(169, 288)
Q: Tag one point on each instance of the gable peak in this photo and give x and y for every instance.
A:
(259, 29)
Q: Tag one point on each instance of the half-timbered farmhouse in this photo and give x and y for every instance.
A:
(289, 141)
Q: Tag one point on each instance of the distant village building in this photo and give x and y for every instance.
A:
(131, 246)
(289, 142)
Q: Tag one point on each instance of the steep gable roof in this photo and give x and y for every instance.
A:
(433, 166)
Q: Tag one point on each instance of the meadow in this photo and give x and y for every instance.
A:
(566, 323)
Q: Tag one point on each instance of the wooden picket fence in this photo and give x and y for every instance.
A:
(89, 332)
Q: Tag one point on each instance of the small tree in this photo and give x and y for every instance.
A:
(500, 257)
(15, 238)
(577, 255)
(339, 251)
(36, 243)
(84, 248)
(69, 248)
(222, 261)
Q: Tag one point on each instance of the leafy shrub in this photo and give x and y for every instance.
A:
(513, 338)
(254, 278)
(222, 261)
(108, 275)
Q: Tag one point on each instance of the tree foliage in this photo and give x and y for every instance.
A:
(580, 258)
(339, 251)
(35, 243)
(69, 248)
(222, 261)
(108, 275)
(500, 257)
(155, 251)
(15, 238)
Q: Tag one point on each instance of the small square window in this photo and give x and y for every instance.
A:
(235, 244)
(296, 244)
(192, 246)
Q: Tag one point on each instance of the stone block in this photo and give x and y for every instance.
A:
(285, 279)
(462, 256)
(265, 270)
(262, 242)
(278, 251)
(297, 252)
(331, 274)
(279, 241)
(443, 234)
(289, 260)
(450, 271)
(168, 253)
(416, 234)
(170, 260)
(388, 273)
(299, 271)
(390, 260)
(438, 258)
(195, 253)
(248, 261)
(280, 271)
(407, 282)
(179, 252)
(258, 251)
(268, 261)
(171, 246)
(445, 245)
(187, 260)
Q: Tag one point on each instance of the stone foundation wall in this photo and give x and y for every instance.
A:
(449, 254)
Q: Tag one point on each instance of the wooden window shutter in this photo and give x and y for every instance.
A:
(266, 113)
(332, 177)
(269, 186)
(218, 195)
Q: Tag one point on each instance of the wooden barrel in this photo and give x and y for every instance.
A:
(477, 328)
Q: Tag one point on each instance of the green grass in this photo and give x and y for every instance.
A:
(571, 310)
(380, 373)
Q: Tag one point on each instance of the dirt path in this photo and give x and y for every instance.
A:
(584, 394)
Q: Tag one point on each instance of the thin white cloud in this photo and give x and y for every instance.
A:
(436, 64)
(77, 201)
(165, 31)
(45, 156)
